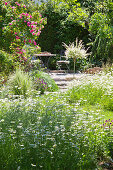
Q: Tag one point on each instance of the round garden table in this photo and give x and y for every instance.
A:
(45, 57)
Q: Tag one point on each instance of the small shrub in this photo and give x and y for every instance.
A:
(6, 62)
(40, 85)
(75, 51)
(51, 85)
(20, 83)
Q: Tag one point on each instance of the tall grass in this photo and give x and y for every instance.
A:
(20, 83)
(93, 90)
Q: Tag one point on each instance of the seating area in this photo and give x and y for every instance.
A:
(63, 64)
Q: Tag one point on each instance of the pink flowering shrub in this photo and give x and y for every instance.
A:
(19, 26)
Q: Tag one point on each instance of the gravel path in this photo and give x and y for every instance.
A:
(65, 80)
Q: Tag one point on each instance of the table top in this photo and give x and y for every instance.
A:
(45, 54)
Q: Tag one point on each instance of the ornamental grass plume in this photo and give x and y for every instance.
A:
(75, 51)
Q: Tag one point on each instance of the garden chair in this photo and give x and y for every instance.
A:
(63, 63)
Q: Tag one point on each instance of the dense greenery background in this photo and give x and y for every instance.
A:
(88, 20)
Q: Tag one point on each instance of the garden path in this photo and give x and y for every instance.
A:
(65, 80)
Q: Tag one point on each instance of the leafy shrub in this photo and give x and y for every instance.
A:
(20, 83)
(6, 62)
(51, 85)
(40, 85)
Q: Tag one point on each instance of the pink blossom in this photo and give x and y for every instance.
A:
(14, 21)
(33, 26)
(38, 33)
(24, 41)
(18, 4)
(27, 15)
(23, 50)
(34, 42)
(32, 22)
(35, 22)
(6, 3)
(20, 52)
(10, 23)
(20, 17)
(28, 23)
(30, 16)
(24, 6)
(23, 13)
(11, 18)
(29, 40)
(25, 21)
(37, 47)
(13, 7)
(17, 48)
(15, 33)
(17, 37)
(31, 31)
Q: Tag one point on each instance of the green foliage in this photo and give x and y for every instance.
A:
(60, 28)
(6, 62)
(100, 26)
(51, 85)
(20, 83)
(87, 94)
